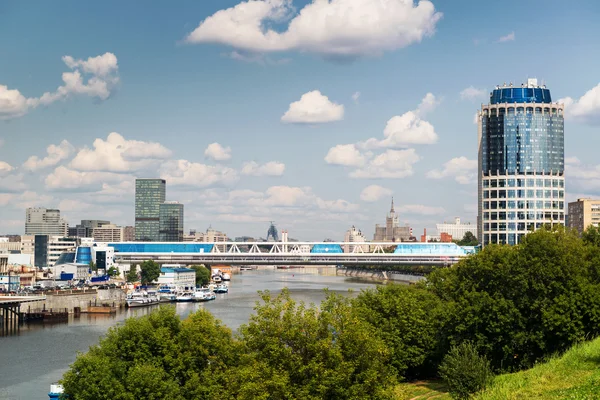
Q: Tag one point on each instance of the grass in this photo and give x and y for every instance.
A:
(573, 376)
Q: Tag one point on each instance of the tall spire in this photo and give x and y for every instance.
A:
(392, 209)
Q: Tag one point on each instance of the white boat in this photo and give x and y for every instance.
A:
(167, 293)
(203, 294)
(185, 294)
(222, 288)
(225, 276)
(141, 299)
(246, 268)
(216, 278)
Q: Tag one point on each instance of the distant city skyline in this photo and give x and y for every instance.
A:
(250, 126)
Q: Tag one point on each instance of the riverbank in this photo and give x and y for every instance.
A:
(70, 300)
(379, 275)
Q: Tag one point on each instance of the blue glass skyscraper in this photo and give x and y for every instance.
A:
(521, 184)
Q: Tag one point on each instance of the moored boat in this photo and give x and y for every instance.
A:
(141, 299)
(204, 294)
(222, 288)
(225, 276)
(184, 296)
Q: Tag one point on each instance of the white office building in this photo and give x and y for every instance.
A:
(45, 221)
(457, 229)
(354, 235)
(177, 276)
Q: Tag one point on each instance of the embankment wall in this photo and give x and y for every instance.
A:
(379, 275)
(72, 299)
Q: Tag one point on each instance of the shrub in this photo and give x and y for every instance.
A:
(465, 371)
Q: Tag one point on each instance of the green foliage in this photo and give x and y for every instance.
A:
(465, 371)
(112, 271)
(156, 357)
(202, 275)
(468, 240)
(149, 272)
(299, 351)
(407, 320)
(93, 266)
(132, 275)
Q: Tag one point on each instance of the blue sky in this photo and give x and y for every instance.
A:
(292, 110)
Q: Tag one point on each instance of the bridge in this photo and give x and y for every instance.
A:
(10, 312)
(291, 253)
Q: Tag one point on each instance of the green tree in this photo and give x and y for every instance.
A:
(406, 319)
(149, 271)
(465, 371)
(93, 266)
(468, 240)
(157, 356)
(202, 275)
(113, 271)
(299, 351)
(132, 275)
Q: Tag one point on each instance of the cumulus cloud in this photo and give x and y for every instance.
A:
(255, 58)
(390, 164)
(506, 38)
(463, 170)
(345, 154)
(11, 183)
(64, 178)
(56, 153)
(313, 108)
(374, 193)
(472, 93)
(338, 28)
(355, 97)
(217, 152)
(94, 77)
(421, 209)
(586, 108)
(5, 168)
(271, 168)
(407, 129)
(192, 174)
(117, 154)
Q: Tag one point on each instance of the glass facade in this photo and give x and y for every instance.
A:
(161, 247)
(521, 164)
(149, 195)
(83, 255)
(171, 222)
(450, 249)
(326, 248)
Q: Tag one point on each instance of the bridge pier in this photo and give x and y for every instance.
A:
(10, 319)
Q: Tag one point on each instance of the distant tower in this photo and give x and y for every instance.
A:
(391, 222)
(272, 233)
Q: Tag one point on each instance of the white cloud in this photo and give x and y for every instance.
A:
(390, 164)
(5, 168)
(102, 76)
(507, 38)
(64, 178)
(420, 209)
(345, 154)
(116, 154)
(56, 153)
(339, 28)
(11, 183)
(374, 193)
(217, 152)
(255, 58)
(407, 129)
(186, 173)
(472, 93)
(463, 170)
(271, 168)
(586, 108)
(313, 108)
(355, 97)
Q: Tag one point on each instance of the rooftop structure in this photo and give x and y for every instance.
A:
(392, 231)
(44, 221)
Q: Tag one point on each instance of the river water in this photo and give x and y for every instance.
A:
(40, 354)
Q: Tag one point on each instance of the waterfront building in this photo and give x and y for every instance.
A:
(108, 233)
(48, 249)
(171, 222)
(44, 221)
(583, 213)
(149, 195)
(177, 276)
(392, 231)
(521, 183)
(210, 236)
(128, 233)
(354, 235)
(457, 229)
(86, 228)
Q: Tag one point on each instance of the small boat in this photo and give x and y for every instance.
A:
(225, 276)
(246, 268)
(141, 299)
(204, 294)
(222, 288)
(216, 278)
(167, 293)
(184, 297)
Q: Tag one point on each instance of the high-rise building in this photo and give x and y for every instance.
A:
(45, 221)
(583, 213)
(108, 233)
(354, 235)
(457, 229)
(128, 233)
(521, 183)
(171, 222)
(392, 231)
(149, 195)
(87, 226)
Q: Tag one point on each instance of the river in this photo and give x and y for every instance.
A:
(40, 354)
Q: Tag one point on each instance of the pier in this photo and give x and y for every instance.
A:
(11, 317)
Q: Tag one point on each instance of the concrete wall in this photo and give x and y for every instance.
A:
(65, 299)
(379, 275)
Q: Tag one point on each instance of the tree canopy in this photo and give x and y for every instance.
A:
(149, 271)
(202, 275)
(468, 240)
(132, 274)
